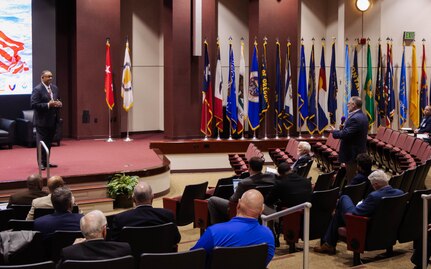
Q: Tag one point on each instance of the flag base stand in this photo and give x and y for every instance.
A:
(127, 139)
(206, 138)
(109, 140)
(323, 136)
(311, 136)
(277, 137)
(218, 138)
(265, 138)
(230, 137)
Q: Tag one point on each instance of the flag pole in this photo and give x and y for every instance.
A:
(127, 139)
(109, 140)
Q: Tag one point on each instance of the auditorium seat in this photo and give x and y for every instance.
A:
(20, 211)
(125, 262)
(7, 132)
(5, 216)
(324, 181)
(250, 257)
(193, 259)
(21, 225)
(355, 192)
(60, 240)
(34, 252)
(40, 265)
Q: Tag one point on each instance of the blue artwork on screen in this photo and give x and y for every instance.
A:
(15, 47)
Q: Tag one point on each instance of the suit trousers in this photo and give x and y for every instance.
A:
(45, 134)
(218, 209)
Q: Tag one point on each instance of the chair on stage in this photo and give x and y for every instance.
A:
(183, 206)
(151, 239)
(193, 259)
(376, 232)
(40, 265)
(125, 262)
(20, 211)
(250, 257)
(7, 132)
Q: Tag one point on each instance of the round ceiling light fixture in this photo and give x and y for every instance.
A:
(363, 5)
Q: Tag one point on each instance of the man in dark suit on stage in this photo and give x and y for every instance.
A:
(353, 136)
(379, 180)
(46, 103)
(425, 126)
(144, 214)
(94, 247)
(304, 157)
(218, 207)
(34, 190)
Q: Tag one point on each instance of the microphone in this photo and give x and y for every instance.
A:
(343, 119)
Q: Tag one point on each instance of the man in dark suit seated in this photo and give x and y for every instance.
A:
(144, 214)
(379, 180)
(364, 165)
(218, 207)
(34, 190)
(425, 126)
(94, 246)
(62, 218)
(304, 157)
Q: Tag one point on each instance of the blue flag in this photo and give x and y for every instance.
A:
(333, 89)
(322, 121)
(403, 93)
(311, 121)
(253, 92)
(302, 92)
(347, 79)
(355, 77)
(231, 109)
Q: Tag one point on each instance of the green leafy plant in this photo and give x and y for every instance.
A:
(122, 184)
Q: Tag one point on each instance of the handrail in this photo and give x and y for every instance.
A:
(425, 198)
(306, 206)
(39, 158)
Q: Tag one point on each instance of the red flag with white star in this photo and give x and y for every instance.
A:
(109, 90)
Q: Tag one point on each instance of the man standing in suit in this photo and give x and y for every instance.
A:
(353, 136)
(34, 190)
(218, 207)
(62, 218)
(46, 104)
(94, 247)
(425, 126)
(144, 214)
(379, 180)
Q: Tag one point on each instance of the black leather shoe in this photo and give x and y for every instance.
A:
(42, 167)
(53, 165)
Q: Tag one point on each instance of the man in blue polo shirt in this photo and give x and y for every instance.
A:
(242, 230)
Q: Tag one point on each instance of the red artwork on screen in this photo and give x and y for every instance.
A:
(10, 61)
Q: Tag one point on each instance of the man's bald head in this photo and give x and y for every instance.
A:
(55, 182)
(250, 205)
(34, 182)
(143, 194)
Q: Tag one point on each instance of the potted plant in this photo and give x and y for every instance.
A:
(120, 188)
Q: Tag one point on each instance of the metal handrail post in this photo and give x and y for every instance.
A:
(425, 199)
(306, 206)
(39, 158)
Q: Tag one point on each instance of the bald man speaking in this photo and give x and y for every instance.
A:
(242, 230)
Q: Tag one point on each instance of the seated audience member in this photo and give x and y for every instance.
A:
(34, 190)
(63, 218)
(379, 181)
(425, 126)
(242, 230)
(304, 149)
(218, 207)
(144, 214)
(416, 258)
(94, 247)
(53, 183)
(364, 165)
(286, 184)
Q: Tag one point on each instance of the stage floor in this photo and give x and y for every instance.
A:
(83, 157)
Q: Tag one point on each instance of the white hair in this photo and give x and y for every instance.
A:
(379, 177)
(92, 224)
(304, 146)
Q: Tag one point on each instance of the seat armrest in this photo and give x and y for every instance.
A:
(356, 232)
(171, 204)
(201, 214)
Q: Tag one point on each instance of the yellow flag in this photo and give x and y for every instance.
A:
(414, 92)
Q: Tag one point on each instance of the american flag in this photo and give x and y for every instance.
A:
(10, 61)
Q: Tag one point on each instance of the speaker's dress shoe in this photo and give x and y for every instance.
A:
(42, 167)
(53, 165)
(325, 248)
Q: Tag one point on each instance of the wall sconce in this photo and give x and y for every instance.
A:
(363, 5)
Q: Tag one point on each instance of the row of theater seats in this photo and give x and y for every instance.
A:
(326, 154)
(250, 257)
(239, 161)
(289, 154)
(397, 151)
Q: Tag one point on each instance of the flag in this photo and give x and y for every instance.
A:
(126, 81)
(240, 101)
(302, 91)
(368, 88)
(264, 94)
(424, 86)
(347, 81)
(333, 88)
(231, 108)
(288, 100)
(109, 90)
(403, 93)
(218, 93)
(206, 113)
(379, 97)
(279, 98)
(311, 95)
(253, 92)
(389, 89)
(322, 121)
(414, 92)
(10, 59)
(355, 77)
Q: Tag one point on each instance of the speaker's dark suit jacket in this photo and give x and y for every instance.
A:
(353, 137)
(44, 116)
(143, 215)
(290, 187)
(25, 197)
(425, 126)
(96, 249)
